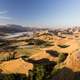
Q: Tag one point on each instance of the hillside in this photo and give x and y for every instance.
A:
(56, 53)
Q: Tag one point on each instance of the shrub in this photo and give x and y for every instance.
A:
(7, 57)
(39, 42)
(13, 77)
(41, 72)
(37, 73)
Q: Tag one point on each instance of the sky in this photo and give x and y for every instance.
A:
(40, 12)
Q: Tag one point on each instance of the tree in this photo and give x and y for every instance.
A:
(37, 73)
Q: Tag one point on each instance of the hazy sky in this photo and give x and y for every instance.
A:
(42, 12)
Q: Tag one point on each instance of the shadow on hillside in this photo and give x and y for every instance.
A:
(43, 61)
(67, 74)
(52, 53)
(77, 76)
(64, 74)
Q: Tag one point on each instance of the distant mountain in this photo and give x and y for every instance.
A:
(11, 28)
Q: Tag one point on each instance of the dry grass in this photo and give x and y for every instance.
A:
(37, 53)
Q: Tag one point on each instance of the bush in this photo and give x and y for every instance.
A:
(7, 57)
(13, 77)
(41, 72)
(39, 42)
(37, 73)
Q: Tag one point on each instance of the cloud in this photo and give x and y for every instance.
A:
(3, 15)
(3, 12)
